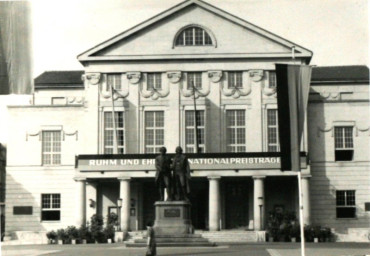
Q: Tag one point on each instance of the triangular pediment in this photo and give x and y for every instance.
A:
(231, 37)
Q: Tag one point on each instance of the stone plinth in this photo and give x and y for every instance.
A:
(172, 218)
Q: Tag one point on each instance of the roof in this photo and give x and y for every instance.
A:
(59, 79)
(340, 74)
(90, 55)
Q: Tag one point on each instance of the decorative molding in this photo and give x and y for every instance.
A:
(267, 90)
(199, 92)
(330, 95)
(174, 76)
(215, 75)
(105, 91)
(76, 100)
(325, 129)
(134, 77)
(153, 93)
(236, 92)
(343, 123)
(52, 128)
(256, 75)
(93, 78)
(33, 134)
(70, 134)
(365, 129)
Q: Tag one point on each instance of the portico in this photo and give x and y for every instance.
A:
(236, 198)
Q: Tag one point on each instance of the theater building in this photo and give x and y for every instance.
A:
(66, 162)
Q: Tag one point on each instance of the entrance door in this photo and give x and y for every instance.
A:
(236, 202)
(150, 195)
(199, 202)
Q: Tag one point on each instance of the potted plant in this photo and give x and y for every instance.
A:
(113, 219)
(52, 236)
(84, 234)
(72, 234)
(96, 228)
(326, 234)
(294, 232)
(109, 233)
(62, 236)
(316, 234)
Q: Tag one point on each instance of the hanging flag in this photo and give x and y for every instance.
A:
(15, 48)
(293, 83)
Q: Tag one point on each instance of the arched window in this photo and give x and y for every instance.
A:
(192, 36)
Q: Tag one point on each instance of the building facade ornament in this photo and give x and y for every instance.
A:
(215, 75)
(256, 75)
(105, 90)
(93, 78)
(237, 92)
(199, 92)
(174, 76)
(154, 93)
(134, 77)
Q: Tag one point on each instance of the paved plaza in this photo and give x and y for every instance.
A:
(261, 249)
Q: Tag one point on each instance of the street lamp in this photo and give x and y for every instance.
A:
(119, 205)
(260, 204)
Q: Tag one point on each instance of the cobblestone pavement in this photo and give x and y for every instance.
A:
(260, 249)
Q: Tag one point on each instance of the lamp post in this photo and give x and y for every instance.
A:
(260, 204)
(119, 205)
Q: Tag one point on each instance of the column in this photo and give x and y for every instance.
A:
(306, 199)
(80, 201)
(124, 194)
(258, 202)
(214, 203)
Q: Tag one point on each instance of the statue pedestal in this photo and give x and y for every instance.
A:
(172, 227)
(172, 218)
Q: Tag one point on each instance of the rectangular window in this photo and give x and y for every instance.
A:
(272, 131)
(194, 78)
(154, 131)
(190, 131)
(109, 132)
(235, 79)
(343, 137)
(346, 204)
(272, 79)
(51, 147)
(114, 80)
(154, 81)
(50, 207)
(235, 122)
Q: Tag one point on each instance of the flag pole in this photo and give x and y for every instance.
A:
(115, 144)
(195, 120)
(301, 212)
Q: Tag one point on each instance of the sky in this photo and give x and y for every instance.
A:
(337, 31)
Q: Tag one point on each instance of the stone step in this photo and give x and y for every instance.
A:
(172, 239)
(173, 244)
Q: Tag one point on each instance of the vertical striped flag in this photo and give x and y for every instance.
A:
(293, 83)
(15, 48)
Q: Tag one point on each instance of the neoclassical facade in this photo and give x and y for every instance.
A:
(68, 160)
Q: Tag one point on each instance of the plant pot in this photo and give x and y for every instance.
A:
(73, 241)
(293, 239)
(315, 239)
(84, 241)
(109, 240)
(271, 239)
(60, 241)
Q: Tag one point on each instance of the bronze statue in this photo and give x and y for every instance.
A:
(163, 177)
(181, 175)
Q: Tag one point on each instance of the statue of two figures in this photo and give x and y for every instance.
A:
(172, 175)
